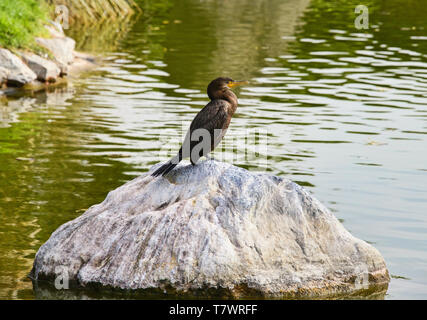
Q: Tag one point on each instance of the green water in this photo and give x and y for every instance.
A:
(345, 111)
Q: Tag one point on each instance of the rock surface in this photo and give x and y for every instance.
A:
(18, 72)
(44, 69)
(3, 75)
(212, 230)
(62, 49)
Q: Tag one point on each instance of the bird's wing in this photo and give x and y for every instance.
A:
(212, 116)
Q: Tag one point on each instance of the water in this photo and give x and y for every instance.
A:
(345, 111)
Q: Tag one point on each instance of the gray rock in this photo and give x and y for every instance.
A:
(212, 229)
(44, 69)
(18, 72)
(62, 49)
(3, 75)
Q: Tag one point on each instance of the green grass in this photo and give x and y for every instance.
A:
(21, 21)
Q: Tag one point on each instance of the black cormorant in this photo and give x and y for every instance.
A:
(209, 126)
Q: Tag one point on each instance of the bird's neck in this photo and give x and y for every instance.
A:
(231, 98)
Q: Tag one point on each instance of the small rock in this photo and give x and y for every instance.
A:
(62, 49)
(18, 72)
(212, 229)
(44, 69)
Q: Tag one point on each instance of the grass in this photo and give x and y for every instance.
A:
(21, 21)
(90, 12)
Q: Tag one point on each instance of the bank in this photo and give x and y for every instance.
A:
(35, 52)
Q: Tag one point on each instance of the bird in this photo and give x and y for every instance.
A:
(209, 126)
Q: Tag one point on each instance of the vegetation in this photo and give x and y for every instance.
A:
(96, 11)
(21, 21)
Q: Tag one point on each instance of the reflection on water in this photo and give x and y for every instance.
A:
(345, 111)
(44, 290)
(102, 36)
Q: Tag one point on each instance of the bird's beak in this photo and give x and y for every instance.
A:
(233, 83)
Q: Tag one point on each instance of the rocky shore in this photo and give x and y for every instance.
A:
(26, 69)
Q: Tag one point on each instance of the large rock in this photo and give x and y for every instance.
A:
(18, 72)
(212, 229)
(62, 49)
(44, 69)
(3, 75)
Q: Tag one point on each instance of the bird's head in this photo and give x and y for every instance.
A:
(220, 86)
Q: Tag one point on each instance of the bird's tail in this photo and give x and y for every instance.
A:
(168, 166)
